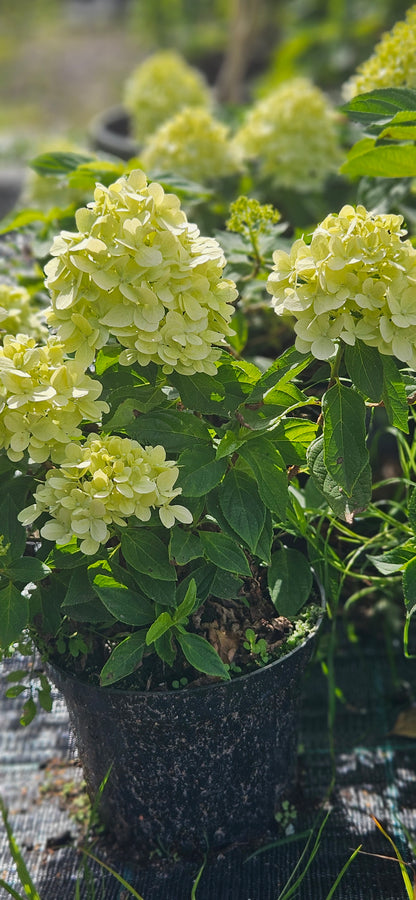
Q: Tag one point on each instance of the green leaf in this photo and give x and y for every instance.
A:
(124, 659)
(383, 161)
(394, 560)
(146, 553)
(26, 569)
(201, 655)
(343, 506)
(409, 586)
(200, 471)
(13, 222)
(188, 604)
(28, 714)
(200, 392)
(173, 429)
(286, 367)
(241, 506)
(81, 602)
(124, 604)
(365, 369)
(184, 546)
(380, 105)
(411, 510)
(290, 581)
(345, 452)
(240, 327)
(163, 592)
(264, 544)
(59, 163)
(394, 395)
(224, 552)
(211, 581)
(22, 871)
(106, 358)
(14, 614)
(165, 648)
(292, 437)
(162, 624)
(13, 532)
(269, 471)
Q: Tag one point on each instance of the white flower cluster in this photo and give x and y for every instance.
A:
(292, 133)
(138, 270)
(356, 279)
(43, 398)
(103, 482)
(18, 313)
(193, 144)
(159, 87)
(393, 63)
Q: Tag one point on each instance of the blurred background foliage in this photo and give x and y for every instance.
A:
(62, 61)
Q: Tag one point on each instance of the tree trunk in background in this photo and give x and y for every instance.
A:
(246, 24)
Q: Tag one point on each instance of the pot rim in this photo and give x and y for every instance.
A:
(203, 687)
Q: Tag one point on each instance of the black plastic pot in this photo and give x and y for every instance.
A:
(110, 131)
(192, 767)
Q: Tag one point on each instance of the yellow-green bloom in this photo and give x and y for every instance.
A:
(161, 86)
(356, 279)
(102, 483)
(292, 134)
(139, 271)
(44, 396)
(393, 63)
(193, 144)
(18, 313)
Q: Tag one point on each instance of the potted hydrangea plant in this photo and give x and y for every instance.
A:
(158, 519)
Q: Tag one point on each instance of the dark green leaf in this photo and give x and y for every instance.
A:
(28, 714)
(15, 691)
(13, 532)
(264, 544)
(241, 506)
(146, 553)
(290, 581)
(14, 614)
(124, 604)
(343, 506)
(81, 601)
(200, 471)
(188, 604)
(412, 510)
(124, 659)
(27, 569)
(184, 546)
(292, 437)
(394, 395)
(380, 105)
(224, 552)
(365, 369)
(201, 655)
(211, 581)
(269, 471)
(286, 367)
(240, 327)
(45, 700)
(173, 429)
(409, 585)
(165, 648)
(200, 392)
(345, 452)
(394, 560)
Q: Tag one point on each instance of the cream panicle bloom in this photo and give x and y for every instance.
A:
(193, 144)
(139, 271)
(393, 63)
(43, 398)
(356, 279)
(292, 133)
(102, 483)
(18, 313)
(158, 88)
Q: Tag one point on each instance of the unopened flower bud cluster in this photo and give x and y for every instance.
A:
(137, 270)
(356, 279)
(44, 396)
(102, 483)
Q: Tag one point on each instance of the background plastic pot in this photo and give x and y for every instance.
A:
(110, 131)
(193, 766)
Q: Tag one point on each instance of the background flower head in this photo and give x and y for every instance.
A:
(18, 313)
(292, 133)
(393, 63)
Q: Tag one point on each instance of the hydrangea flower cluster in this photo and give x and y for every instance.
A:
(103, 482)
(139, 271)
(356, 279)
(292, 133)
(43, 398)
(18, 314)
(193, 144)
(393, 63)
(158, 88)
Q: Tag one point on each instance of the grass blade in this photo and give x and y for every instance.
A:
(11, 892)
(403, 868)
(112, 872)
(290, 889)
(22, 871)
(342, 873)
(198, 878)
